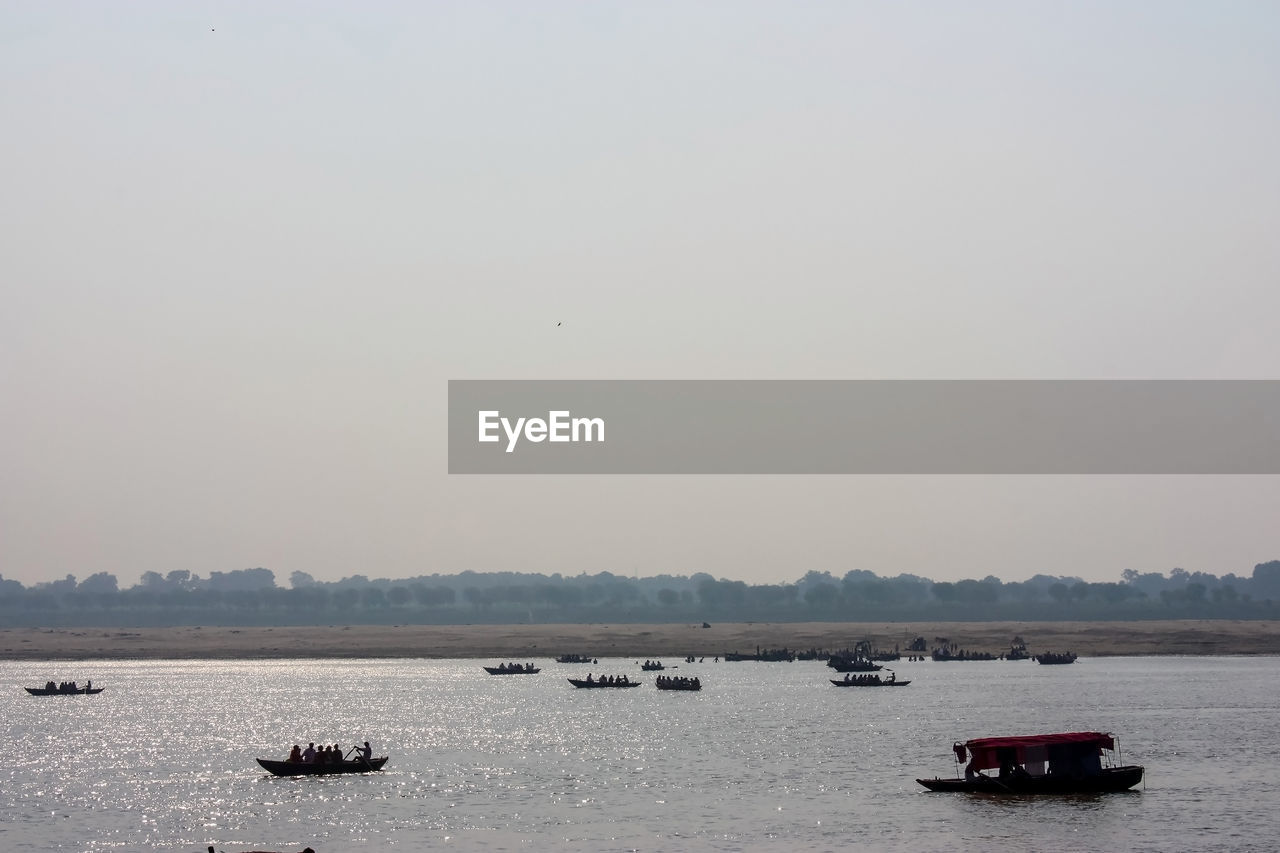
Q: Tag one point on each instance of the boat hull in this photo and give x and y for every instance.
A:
(841, 683)
(1110, 779)
(587, 685)
(493, 670)
(83, 691)
(688, 687)
(295, 768)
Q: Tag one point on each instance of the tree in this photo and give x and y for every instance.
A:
(1266, 580)
(822, 595)
(100, 583)
(297, 580)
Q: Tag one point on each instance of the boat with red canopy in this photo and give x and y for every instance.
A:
(1065, 763)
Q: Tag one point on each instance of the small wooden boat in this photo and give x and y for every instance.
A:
(1052, 658)
(839, 682)
(667, 683)
(507, 670)
(79, 691)
(1066, 763)
(576, 659)
(652, 666)
(848, 662)
(582, 682)
(297, 768)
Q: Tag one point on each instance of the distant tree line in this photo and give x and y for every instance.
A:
(252, 597)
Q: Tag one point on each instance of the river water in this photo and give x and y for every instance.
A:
(769, 756)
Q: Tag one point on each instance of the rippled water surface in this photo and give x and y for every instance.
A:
(769, 756)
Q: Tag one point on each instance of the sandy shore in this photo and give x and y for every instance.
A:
(1189, 637)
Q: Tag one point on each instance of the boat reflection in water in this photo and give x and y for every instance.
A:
(1066, 763)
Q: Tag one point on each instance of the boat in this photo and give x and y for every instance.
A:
(517, 669)
(652, 666)
(58, 691)
(848, 661)
(298, 768)
(576, 659)
(873, 683)
(582, 682)
(1052, 658)
(767, 655)
(1017, 650)
(667, 682)
(948, 652)
(1065, 763)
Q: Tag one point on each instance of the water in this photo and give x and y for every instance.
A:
(769, 756)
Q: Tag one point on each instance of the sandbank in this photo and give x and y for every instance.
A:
(522, 642)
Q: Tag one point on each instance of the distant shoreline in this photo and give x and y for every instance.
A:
(1088, 639)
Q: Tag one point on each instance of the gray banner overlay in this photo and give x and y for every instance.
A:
(865, 427)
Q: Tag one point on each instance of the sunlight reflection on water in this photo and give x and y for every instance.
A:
(767, 756)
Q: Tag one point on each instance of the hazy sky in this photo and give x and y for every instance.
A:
(243, 247)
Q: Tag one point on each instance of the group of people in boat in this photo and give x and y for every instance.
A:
(327, 754)
(677, 681)
(870, 678)
(1056, 657)
(515, 667)
(948, 653)
(67, 686)
(652, 664)
(609, 679)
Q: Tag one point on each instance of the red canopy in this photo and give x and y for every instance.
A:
(985, 749)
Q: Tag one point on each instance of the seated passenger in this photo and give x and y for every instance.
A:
(295, 755)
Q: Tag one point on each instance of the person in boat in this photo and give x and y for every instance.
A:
(366, 751)
(893, 676)
(295, 755)
(51, 686)
(88, 685)
(337, 754)
(970, 774)
(309, 754)
(589, 678)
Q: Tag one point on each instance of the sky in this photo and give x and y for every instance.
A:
(244, 247)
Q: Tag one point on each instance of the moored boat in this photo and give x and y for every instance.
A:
(299, 768)
(585, 683)
(1064, 763)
